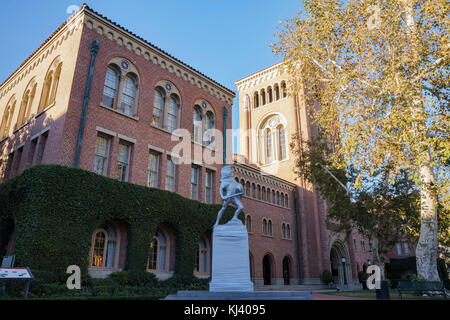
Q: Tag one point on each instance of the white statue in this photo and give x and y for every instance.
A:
(230, 192)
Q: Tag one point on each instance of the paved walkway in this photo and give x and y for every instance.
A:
(320, 296)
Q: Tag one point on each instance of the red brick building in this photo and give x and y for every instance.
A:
(96, 96)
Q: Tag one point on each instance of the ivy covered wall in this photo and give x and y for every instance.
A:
(55, 210)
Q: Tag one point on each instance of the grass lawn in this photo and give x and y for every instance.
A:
(393, 293)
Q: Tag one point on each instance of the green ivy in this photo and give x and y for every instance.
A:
(56, 209)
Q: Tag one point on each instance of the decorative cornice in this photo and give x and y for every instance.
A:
(257, 174)
(55, 40)
(102, 25)
(260, 76)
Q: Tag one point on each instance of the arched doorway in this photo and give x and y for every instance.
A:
(267, 270)
(340, 263)
(286, 271)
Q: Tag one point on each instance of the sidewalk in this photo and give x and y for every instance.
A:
(321, 296)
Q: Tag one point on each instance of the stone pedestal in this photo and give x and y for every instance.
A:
(230, 259)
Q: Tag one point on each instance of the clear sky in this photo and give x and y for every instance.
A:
(225, 40)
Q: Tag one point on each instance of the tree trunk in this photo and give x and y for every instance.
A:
(376, 260)
(427, 247)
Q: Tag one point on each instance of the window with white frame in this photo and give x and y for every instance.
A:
(153, 169)
(123, 161)
(121, 87)
(157, 261)
(209, 186)
(170, 175)
(104, 247)
(102, 146)
(194, 183)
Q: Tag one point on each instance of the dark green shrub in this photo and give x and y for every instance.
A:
(362, 276)
(326, 277)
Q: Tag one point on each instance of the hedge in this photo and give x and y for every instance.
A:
(56, 209)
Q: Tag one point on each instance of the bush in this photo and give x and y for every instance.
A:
(362, 276)
(327, 277)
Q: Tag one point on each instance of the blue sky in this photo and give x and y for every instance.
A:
(225, 40)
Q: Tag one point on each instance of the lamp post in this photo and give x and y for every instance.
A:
(343, 269)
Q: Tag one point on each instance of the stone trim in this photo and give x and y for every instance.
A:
(122, 137)
(106, 131)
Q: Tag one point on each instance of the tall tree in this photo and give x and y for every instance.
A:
(377, 74)
(383, 212)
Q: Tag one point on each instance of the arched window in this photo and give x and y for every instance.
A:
(273, 197)
(277, 92)
(288, 231)
(157, 260)
(172, 113)
(278, 198)
(210, 126)
(50, 85)
(272, 143)
(7, 118)
(265, 227)
(283, 89)
(110, 88)
(283, 230)
(198, 124)
(248, 223)
(259, 192)
(281, 132)
(268, 145)
(269, 93)
(202, 258)
(104, 248)
(268, 195)
(269, 228)
(263, 97)
(247, 189)
(256, 99)
(264, 196)
(129, 90)
(158, 107)
(253, 190)
(286, 201)
(27, 102)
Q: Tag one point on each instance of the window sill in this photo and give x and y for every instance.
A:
(267, 236)
(269, 103)
(262, 165)
(119, 112)
(21, 126)
(204, 146)
(45, 109)
(286, 239)
(166, 131)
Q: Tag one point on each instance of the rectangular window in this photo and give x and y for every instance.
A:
(32, 151)
(153, 170)
(42, 143)
(102, 144)
(406, 247)
(170, 175)
(123, 160)
(399, 249)
(17, 160)
(9, 166)
(208, 186)
(194, 183)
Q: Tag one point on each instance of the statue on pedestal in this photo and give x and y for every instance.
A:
(230, 192)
